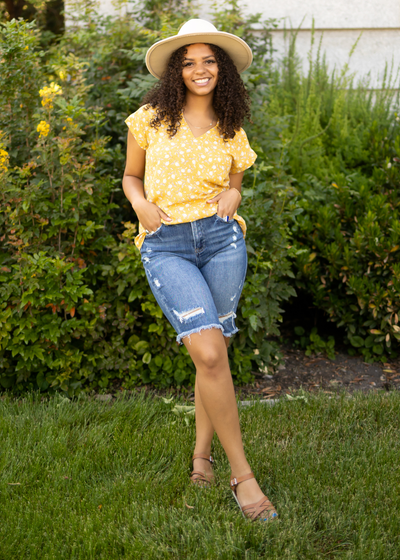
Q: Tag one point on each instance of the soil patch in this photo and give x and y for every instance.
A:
(318, 373)
(298, 371)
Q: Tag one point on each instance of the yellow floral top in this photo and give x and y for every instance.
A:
(183, 172)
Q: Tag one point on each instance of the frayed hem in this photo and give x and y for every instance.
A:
(228, 335)
(195, 331)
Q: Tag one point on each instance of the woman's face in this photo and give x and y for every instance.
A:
(200, 69)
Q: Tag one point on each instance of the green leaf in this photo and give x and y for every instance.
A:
(378, 349)
(41, 381)
(141, 346)
(369, 341)
(253, 322)
(357, 341)
(146, 358)
(7, 382)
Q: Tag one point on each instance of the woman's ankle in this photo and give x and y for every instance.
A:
(241, 469)
(202, 450)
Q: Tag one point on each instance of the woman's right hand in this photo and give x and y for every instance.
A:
(150, 215)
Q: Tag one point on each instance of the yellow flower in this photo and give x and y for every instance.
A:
(48, 94)
(26, 48)
(43, 127)
(62, 75)
(3, 160)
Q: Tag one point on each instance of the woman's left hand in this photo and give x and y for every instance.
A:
(228, 202)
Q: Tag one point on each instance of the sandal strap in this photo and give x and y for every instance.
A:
(262, 507)
(197, 477)
(199, 474)
(240, 479)
(203, 456)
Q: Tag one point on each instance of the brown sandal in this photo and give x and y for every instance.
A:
(198, 477)
(263, 509)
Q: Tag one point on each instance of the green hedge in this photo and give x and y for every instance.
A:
(321, 203)
(343, 147)
(75, 308)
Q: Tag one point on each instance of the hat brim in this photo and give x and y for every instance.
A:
(158, 55)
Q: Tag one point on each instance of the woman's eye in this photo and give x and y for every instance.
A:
(187, 64)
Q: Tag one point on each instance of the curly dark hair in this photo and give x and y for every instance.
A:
(231, 102)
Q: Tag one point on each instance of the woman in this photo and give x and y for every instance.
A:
(188, 138)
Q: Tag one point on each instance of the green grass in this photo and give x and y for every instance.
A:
(99, 480)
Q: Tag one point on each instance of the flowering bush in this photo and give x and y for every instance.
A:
(43, 127)
(75, 307)
(4, 158)
(48, 94)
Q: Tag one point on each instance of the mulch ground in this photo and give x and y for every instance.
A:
(298, 371)
(321, 374)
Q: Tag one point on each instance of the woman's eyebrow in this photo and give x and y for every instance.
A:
(204, 57)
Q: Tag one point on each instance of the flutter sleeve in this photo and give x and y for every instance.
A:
(138, 124)
(243, 156)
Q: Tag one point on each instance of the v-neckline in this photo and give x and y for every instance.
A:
(191, 131)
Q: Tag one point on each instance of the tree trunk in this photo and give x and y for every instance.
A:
(15, 9)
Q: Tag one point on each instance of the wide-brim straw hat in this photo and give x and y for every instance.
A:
(198, 31)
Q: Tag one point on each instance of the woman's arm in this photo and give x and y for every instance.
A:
(148, 213)
(229, 201)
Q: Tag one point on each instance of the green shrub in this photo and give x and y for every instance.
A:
(75, 307)
(342, 145)
(352, 268)
(314, 343)
(321, 203)
(66, 291)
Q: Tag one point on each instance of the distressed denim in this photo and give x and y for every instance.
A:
(196, 272)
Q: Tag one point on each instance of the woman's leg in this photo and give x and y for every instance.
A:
(204, 430)
(204, 435)
(215, 386)
(198, 312)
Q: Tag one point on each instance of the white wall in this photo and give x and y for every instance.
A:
(339, 22)
(333, 14)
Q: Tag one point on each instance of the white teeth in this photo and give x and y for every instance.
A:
(202, 81)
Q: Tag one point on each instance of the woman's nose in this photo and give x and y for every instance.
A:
(200, 70)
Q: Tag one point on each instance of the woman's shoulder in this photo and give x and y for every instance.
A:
(239, 138)
(144, 115)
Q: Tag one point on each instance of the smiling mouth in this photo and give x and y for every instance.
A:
(202, 81)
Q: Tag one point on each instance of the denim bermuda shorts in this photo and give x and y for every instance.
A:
(196, 272)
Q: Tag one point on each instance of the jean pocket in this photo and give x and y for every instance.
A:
(223, 220)
(154, 233)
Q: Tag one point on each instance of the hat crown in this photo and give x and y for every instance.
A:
(197, 26)
(197, 31)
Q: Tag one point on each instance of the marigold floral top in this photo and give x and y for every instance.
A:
(183, 172)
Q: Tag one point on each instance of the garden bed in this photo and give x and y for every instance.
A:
(317, 373)
(298, 371)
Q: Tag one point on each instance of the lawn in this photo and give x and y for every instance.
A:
(87, 479)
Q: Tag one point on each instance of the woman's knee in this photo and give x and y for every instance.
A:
(211, 359)
(208, 351)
